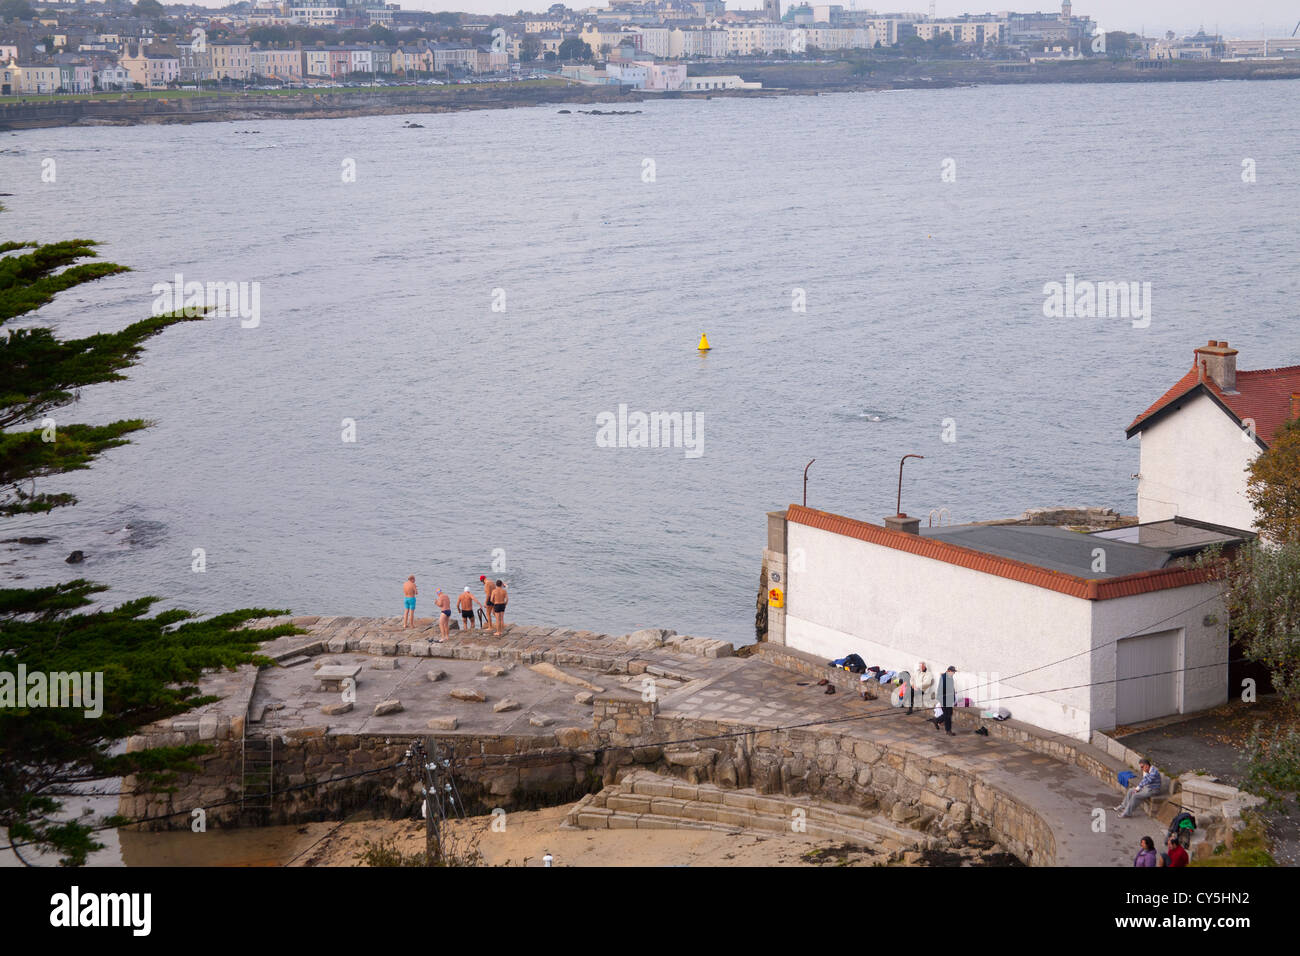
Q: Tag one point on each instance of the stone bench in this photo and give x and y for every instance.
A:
(332, 676)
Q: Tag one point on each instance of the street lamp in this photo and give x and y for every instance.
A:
(899, 504)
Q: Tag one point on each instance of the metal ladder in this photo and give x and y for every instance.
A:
(257, 770)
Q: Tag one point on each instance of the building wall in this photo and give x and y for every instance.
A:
(893, 608)
(1204, 647)
(1193, 465)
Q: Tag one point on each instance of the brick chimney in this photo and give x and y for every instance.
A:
(1219, 363)
(903, 523)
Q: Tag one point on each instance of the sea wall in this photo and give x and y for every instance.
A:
(319, 776)
(914, 791)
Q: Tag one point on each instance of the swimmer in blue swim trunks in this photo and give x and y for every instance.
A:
(410, 590)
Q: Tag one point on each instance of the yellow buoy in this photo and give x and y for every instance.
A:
(704, 343)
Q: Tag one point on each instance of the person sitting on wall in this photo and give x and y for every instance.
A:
(1148, 787)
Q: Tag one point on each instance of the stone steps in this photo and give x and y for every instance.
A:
(643, 800)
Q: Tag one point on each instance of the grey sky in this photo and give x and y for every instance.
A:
(1245, 18)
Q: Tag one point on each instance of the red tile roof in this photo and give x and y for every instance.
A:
(1086, 588)
(1264, 395)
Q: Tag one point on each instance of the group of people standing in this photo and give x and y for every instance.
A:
(493, 605)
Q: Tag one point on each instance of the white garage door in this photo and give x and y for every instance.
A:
(1146, 687)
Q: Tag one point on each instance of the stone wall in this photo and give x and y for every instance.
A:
(324, 777)
(913, 791)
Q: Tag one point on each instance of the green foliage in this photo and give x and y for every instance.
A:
(1274, 485)
(1274, 767)
(575, 49)
(40, 373)
(147, 667)
(150, 667)
(148, 9)
(1263, 597)
(25, 456)
(1249, 848)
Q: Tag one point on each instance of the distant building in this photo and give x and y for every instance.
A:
(283, 65)
(230, 60)
(1285, 47)
(114, 78)
(701, 83)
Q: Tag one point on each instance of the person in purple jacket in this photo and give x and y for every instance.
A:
(1146, 856)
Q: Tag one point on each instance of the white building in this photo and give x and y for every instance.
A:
(687, 43)
(648, 75)
(1023, 613)
(757, 38)
(656, 41)
(360, 62)
(696, 84)
(114, 78)
(1071, 632)
(1198, 438)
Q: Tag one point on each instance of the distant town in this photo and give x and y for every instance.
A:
(655, 45)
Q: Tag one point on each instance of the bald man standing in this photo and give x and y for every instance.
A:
(410, 591)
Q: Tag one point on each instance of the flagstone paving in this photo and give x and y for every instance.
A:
(749, 693)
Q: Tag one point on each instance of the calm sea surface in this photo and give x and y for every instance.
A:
(476, 430)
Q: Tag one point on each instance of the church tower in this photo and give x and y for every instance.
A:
(772, 10)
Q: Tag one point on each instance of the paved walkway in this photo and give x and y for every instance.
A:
(747, 692)
(762, 695)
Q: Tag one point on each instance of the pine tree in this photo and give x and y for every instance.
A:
(150, 664)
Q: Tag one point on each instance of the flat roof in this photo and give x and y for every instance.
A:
(975, 553)
(1176, 535)
(1056, 549)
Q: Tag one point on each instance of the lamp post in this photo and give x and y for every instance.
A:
(805, 482)
(899, 503)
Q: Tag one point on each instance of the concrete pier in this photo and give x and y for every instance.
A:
(547, 713)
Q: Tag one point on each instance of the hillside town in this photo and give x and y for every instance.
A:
(87, 47)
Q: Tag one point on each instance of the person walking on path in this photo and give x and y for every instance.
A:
(1148, 787)
(466, 603)
(1146, 856)
(444, 619)
(499, 599)
(947, 697)
(410, 591)
(922, 680)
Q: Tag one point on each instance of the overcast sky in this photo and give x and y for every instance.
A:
(1244, 18)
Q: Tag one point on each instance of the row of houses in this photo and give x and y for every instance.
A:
(719, 40)
(243, 61)
(158, 65)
